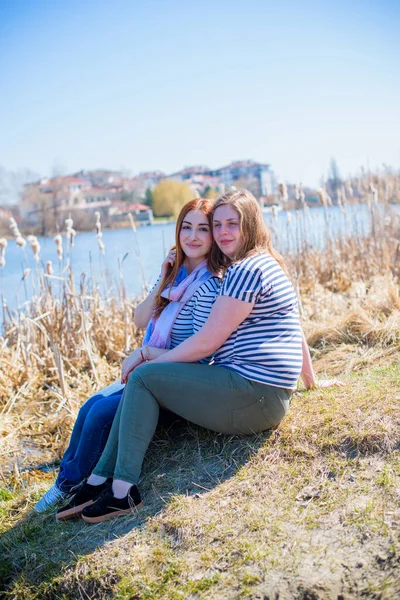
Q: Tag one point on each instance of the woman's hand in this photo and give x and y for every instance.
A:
(168, 263)
(129, 364)
(323, 383)
(327, 383)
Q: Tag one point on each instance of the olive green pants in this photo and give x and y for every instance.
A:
(213, 397)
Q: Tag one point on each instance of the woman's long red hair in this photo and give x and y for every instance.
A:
(205, 206)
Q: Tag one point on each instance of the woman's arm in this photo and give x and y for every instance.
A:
(132, 361)
(144, 310)
(307, 371)
(226, 316)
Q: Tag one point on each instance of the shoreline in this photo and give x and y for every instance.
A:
(161, 221)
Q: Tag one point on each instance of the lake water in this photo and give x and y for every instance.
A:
(138, 256)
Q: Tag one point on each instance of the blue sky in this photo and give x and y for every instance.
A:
(160, 84)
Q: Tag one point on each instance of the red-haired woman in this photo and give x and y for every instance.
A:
(177, 306)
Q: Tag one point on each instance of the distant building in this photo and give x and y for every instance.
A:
(144, 181)
(197, 178)
(140, 212)
(113, 193)
(257, 177)
(37, 197)
(101, 177)
(187, 173)
(60, 195)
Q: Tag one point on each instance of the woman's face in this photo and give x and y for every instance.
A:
(226, 230)
(195, 235)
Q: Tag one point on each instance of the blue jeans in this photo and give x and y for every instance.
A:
(89, 436)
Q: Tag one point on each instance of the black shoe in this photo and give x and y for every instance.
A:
(108, 507)
(85, 495)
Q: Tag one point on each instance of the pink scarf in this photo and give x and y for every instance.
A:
(158, 333)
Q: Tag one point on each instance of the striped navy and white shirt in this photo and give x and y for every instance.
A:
(195, 312)
(267, 346)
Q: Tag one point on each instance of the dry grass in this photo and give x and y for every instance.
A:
(309, 511)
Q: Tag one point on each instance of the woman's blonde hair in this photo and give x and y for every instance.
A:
(256, 237)
(205, 206)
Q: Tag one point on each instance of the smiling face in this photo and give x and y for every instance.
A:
(195, 237)
(226, 230)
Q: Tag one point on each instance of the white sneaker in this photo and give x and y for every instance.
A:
(52, 497)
